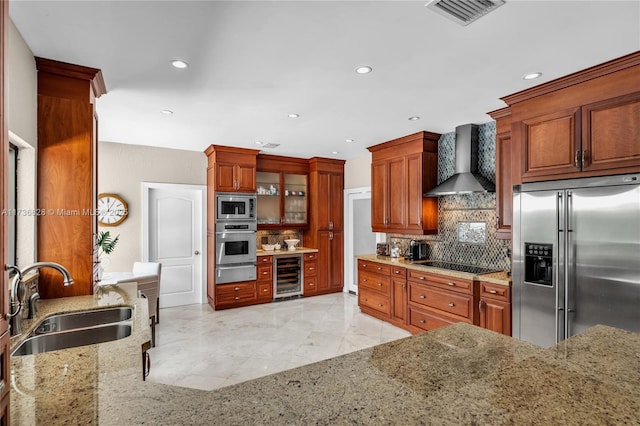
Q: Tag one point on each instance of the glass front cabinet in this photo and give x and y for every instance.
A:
(282, 192)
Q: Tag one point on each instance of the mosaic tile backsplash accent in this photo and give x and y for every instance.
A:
(273, 237)
(454, 210)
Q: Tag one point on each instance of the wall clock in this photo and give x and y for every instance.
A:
(112, 210)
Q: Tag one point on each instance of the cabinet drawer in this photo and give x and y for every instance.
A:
(427, 320)
(265, 272)
(495, 291)
(447, 301)
(374, 300)
(310, 268)
(460, 285)
(310, 256)
(237, 292)
(374, 281)
(374, 267)
(310, 284)
(265, 290)
(398, 272)
(262, 260)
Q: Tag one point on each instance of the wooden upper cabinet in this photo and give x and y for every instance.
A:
(402, 170)
(551, 144)
(67, 174)
(283, 192)
(584, 124)
(234, 169)
(611, 133)
(504, 175)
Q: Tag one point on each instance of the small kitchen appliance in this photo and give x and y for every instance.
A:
(418, 250)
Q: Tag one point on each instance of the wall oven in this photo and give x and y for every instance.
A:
(234, 206)
(235, 251)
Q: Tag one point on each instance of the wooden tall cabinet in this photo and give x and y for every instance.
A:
(229, 169)
(326, 186)
(504, 177)
(402, 170)
(67, 174)
(5, 383)
(584, 124)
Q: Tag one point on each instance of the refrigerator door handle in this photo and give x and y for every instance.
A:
(558, 270)
(568, 264)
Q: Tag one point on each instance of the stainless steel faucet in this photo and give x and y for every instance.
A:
(18, 290)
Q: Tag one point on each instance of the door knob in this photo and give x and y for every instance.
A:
(196, 252)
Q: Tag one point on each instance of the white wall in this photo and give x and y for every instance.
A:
(23, 132)
(357, 172)
(121, 170)
(23, 86)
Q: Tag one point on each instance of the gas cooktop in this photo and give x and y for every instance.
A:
(478, 270)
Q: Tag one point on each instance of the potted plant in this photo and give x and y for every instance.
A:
(105, 244)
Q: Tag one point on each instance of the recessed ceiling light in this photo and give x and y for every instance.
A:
(259, 143)
(294, 115)
(179, 64)
(364, 70)
(167, 111)
(531, 76)
(335, 152)
(414, 118)
(349, 140)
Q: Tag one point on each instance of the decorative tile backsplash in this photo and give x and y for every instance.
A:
(456, 212)
(273, 237)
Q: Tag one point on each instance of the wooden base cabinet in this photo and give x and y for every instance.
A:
(310, 276)
(265, 278)
(438, 300)
(494, 307)
(374, 289)
(399, 295)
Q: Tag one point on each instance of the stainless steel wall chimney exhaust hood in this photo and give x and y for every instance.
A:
(466, 179)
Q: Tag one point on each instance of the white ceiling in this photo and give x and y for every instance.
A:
(253, 63)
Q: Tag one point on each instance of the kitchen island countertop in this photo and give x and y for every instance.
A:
(460, 374)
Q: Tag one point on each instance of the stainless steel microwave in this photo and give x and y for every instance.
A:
(235, 206)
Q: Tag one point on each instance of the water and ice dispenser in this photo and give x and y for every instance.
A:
(538, 263)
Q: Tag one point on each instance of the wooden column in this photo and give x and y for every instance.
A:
(67, 174)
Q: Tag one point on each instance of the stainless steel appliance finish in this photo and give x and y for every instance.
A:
(576, 257)
(288, 277)
(466, 179)
(235, 251)
(235, 206)
(418, 250)
(235, 242)
(226, 274)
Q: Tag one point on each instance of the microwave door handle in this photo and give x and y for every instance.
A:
(226, 268)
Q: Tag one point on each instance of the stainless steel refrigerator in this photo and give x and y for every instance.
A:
(576, 257)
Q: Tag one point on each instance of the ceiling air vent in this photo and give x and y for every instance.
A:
(270, 145)
(464, 12)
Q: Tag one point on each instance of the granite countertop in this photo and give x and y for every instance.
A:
(284, 252)
(460, 374)
(500, 278)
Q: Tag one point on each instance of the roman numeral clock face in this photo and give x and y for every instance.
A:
(112, 210)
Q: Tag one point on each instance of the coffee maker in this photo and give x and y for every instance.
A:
(418, 250)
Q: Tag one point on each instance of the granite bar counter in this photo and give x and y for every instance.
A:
(460, 374)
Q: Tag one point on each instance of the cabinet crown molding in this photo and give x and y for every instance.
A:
(64, 69)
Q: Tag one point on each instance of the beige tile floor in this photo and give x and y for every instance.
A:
(200, 348)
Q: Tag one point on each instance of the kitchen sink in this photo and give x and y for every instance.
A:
(73, 338)
(83, 319)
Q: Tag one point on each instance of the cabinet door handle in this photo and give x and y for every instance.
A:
(451, 304)
(379, 305)
(237, 298)
(422, 296)
(493, 291)
(576, 159)
(452, 284)
(396, 272)
(364, 265)
(421, 321)
(365, 299)
(379, 284)
(311, 268)
(582, 158)
(364, 280)
(480, 306)
(379, 268)
(265, 273)
(236, 288)
(422, 278)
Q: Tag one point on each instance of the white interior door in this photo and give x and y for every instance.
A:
(360, 239)
(174, 224)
